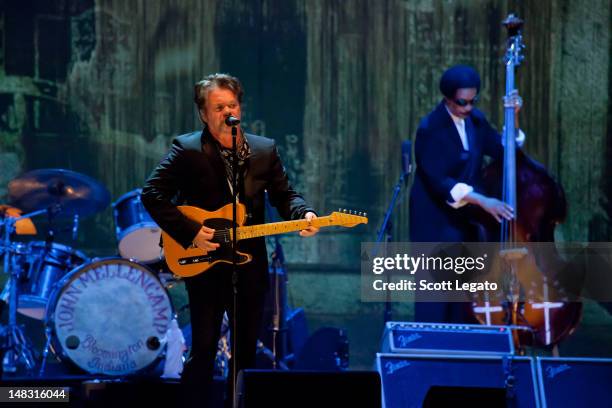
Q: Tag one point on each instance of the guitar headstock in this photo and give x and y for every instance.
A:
(348, 218)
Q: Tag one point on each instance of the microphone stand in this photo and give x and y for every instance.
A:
(234, 365)
(278, 327)
(385, 229)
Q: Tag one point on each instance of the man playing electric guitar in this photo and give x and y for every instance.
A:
(197, 172)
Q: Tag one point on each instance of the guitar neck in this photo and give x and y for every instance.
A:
(275, 228)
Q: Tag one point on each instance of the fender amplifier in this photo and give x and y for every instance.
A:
(575, 382)
(409, 380)
(433, 338)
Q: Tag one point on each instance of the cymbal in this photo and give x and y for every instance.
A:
(74, 192)
(22, 227)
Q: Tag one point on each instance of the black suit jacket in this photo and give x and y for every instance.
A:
(441, 163)
(193, 173)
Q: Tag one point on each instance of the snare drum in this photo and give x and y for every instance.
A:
(110, 317)
(44, 265)
(137, 234)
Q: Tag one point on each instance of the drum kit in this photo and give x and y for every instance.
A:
(105, 316)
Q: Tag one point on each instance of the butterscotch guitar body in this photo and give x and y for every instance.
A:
(193, 261)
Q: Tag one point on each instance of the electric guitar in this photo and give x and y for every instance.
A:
(193, 261)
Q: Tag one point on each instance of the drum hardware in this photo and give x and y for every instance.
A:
(43, 364)
(224, 353)
(169, 280)
(75, 226)
(18, 349)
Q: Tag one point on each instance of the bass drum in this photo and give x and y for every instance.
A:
(110, 317)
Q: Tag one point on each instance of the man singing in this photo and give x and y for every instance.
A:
(198, 172)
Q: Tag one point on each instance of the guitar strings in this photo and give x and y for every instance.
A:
(223, 233)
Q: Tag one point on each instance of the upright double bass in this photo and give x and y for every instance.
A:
(534, 295)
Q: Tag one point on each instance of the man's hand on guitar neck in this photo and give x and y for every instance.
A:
(312, 230)
(203, 240)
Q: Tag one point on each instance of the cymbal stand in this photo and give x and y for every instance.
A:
(18, 349)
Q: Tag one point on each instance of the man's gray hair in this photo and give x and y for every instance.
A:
(223, 81)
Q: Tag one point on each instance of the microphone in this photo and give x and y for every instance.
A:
(406, 158)
(232, 121)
